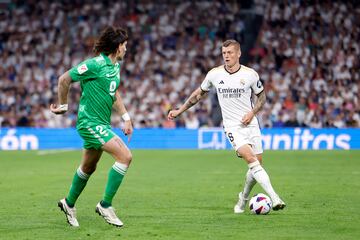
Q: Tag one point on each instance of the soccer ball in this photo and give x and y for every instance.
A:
(260, 204)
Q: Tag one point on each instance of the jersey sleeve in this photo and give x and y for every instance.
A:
(207, 83)
(256, 84)
(84, 71)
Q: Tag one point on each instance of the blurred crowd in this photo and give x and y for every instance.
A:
(307, 56)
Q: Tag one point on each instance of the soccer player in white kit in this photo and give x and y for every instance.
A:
(234, 85)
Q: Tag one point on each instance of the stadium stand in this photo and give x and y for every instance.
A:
(306, 53)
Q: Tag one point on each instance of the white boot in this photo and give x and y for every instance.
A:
(241, 204)
(70, 213)
(109, 215)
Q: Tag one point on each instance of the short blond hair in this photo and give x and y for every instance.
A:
(230, 42)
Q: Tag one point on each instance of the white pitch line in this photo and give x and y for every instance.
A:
(55, 151)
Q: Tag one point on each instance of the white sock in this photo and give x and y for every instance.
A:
(249, 184)
(262, 178)
(120, 168)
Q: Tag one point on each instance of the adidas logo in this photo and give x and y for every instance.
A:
(221, 82)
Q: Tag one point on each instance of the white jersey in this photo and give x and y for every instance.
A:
(234, 92)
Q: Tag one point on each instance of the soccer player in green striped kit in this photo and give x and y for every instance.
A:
(99, 78)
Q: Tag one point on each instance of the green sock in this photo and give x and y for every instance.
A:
(116, 175)
(78, 184)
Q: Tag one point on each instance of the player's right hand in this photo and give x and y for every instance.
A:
(247, 118)
(58, 109)
(173, 114)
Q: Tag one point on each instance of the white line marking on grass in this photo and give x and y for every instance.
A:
(55, 151)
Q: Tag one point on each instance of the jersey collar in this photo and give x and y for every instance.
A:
(107, 59)
(233, 72)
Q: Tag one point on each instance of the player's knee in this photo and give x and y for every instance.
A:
(128, 157)
(249, 157)
(88, 169)
(125, 158)
(247, 154)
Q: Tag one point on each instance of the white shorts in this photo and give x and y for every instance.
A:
(239, 136)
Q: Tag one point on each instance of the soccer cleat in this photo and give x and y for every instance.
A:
(109, 215)
(241, 204)
(278, 204)
(70, 213)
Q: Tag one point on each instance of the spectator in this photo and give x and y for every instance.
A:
(315, 122)
(297, 54)
(339, 121)
(191, 121)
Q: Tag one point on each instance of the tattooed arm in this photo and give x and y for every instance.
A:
(194, 98)
(261, 99)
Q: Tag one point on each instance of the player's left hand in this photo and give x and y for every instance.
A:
(58, 108)
(247, 118)
(128, 129)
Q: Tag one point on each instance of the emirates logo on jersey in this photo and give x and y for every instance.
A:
(230, 92)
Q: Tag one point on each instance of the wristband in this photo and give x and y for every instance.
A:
(126, 117)
(63, 107)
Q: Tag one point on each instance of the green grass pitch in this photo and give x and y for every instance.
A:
(183, 195)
